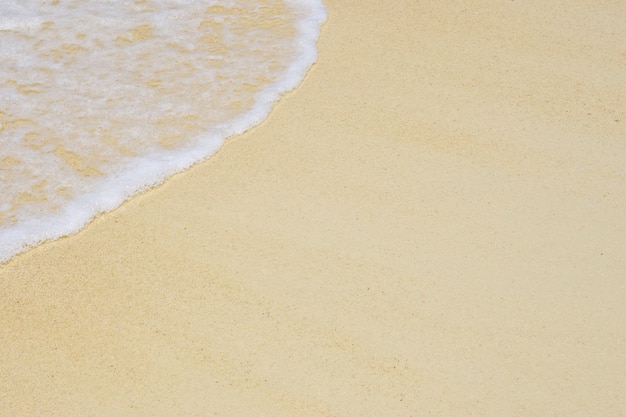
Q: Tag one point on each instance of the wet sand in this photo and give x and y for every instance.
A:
(433, 223)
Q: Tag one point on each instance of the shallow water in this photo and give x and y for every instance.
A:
(101, 100)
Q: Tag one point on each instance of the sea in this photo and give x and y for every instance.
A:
(103, 99)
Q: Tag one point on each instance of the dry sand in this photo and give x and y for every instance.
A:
(433, 224)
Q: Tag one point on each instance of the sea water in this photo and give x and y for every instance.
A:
(101, 99)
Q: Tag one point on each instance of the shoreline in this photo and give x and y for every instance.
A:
(427, 224)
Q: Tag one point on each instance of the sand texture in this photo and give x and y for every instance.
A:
(432, 224)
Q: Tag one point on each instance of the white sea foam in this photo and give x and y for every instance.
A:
(100, 100)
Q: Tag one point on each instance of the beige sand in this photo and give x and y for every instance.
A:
(433, 224)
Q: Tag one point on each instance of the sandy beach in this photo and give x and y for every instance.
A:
(432, 224)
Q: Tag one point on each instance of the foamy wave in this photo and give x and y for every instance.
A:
(101, 100)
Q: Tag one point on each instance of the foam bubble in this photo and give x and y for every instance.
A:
(101, 100)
